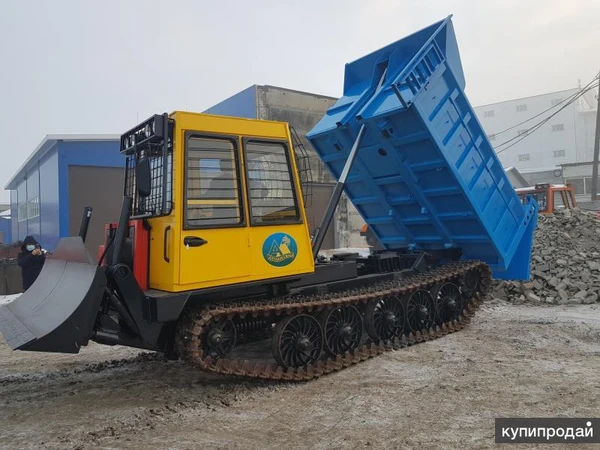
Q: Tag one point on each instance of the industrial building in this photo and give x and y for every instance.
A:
(62, 175)
(567, 138)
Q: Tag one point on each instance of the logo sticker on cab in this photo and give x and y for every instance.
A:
(279, 249)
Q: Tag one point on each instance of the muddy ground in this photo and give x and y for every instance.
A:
(512, 360)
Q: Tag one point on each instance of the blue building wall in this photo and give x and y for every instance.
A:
(242, 104)
(49, 217)
(5, 228)
(48, 179)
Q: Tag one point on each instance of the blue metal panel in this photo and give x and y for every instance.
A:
(13, 216)
(5, 228)
(49, 212)
(425, 176)
(82, 153)
(242, 104)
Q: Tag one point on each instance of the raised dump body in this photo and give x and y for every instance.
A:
(425, 175)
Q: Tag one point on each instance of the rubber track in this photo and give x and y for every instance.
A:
(190, 334)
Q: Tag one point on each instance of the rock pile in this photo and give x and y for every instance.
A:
(565, 263)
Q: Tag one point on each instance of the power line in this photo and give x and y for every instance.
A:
(537, 126)
(552, 107)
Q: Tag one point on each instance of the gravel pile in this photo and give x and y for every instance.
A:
(565, 263)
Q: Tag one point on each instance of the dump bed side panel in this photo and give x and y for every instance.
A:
(425, 176)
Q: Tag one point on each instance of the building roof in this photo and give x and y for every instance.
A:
(587, 163)
(46, 145)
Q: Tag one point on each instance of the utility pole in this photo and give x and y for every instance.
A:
(596, 151)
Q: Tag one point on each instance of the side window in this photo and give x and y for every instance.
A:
(271, 189)
(212, 183)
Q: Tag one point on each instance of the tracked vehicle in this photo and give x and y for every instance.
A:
(212, 261)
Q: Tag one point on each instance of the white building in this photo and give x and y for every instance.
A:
(566, 138)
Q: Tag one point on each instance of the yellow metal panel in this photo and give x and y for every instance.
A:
(230, 125)
(280, 250)
(163, 261)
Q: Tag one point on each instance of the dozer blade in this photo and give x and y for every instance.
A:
(57, 313)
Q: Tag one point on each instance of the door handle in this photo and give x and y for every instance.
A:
(165, 249)
(193, 241)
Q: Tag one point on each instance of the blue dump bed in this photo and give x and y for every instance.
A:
(425, 176)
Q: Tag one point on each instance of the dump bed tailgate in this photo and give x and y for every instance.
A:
(425, 176)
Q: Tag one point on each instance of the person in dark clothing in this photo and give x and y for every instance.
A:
(31, 259)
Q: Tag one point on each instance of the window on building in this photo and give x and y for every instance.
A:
(213, 194)
(492, 137)
(555, 101)
(33, 208)
(558, 153)
(521, 108)
(524, 157)
(489, 113)
(578, 184)
(521, 132)
(22, 211)
(558, 127)
(270, 184)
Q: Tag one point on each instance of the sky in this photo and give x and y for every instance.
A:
(81, 66)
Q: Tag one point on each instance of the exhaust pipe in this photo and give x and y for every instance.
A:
(121, 232)
(85, 222)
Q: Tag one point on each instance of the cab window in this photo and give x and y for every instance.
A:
(542, 200)
(213, 195)
(271, 190)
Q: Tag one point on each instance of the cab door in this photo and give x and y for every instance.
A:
(214, 245)
(278, 231)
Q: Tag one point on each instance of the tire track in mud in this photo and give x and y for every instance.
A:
(114, 364)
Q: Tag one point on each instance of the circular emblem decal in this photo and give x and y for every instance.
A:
(279, 249)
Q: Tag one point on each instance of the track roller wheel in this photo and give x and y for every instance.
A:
(220, 339)
(420, 311)
(448, 303)
(342, 328)
(297, 341)
(469, 285)
(384, 318)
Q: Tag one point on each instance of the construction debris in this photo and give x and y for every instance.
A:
(565, 263)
